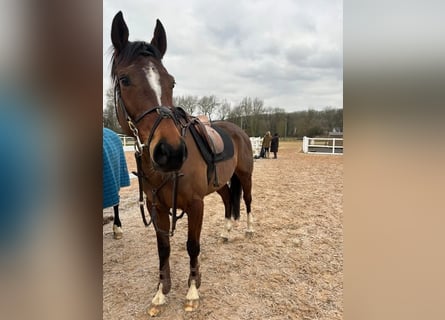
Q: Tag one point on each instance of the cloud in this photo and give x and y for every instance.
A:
(288, 53)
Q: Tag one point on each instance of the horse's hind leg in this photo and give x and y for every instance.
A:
(224, 192)
(246, 183)
(195, 216)
(164, 284)
(117, 226)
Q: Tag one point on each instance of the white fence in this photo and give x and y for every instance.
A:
(127, 142)
(256, 145)
(323, 145)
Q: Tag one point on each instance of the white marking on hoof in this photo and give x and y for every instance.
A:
(192, 298)
(226, 230)
(117, 232)
(157, 303)
(159, 298)
(250, 231)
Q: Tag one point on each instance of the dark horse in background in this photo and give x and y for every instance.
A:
(172, 169)
(114, 175)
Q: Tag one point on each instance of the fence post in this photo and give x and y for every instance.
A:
(305, 144)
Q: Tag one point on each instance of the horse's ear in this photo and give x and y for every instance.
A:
(119, 32)
(159, 38)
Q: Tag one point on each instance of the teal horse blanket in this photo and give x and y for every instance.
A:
(115, 171)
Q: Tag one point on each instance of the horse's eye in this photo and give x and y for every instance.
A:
(125, 81)
(173, 84)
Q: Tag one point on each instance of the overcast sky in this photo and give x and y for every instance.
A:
(288, 53)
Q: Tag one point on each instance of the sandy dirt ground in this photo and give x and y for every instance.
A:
(292, 268)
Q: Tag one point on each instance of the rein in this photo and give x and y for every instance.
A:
(164, 113)
(154, 192)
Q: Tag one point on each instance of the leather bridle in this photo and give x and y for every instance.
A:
(163, 113)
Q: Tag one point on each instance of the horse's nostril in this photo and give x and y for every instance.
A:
(161, 154)
(168, 158)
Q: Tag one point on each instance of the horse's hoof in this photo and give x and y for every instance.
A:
(117, 236)
(249, 233)
(155, 310)
(191, 305)
(117, 232)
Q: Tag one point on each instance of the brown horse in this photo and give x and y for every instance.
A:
(173, 171)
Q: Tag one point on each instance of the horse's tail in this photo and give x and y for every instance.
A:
(235, 196)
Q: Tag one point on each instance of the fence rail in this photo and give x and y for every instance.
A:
(127, 142)
(323, 145)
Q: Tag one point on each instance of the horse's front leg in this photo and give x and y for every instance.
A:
(162, 226)
(195, 217)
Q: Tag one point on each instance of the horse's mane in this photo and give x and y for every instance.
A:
(131, 51)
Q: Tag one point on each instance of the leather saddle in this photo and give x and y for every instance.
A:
(213, 142)
(212, 136)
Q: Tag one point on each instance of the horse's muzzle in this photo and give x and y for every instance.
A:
(168, 158)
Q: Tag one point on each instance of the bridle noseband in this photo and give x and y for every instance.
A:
(163, 112)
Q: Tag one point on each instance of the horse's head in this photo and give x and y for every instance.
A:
(144, 95)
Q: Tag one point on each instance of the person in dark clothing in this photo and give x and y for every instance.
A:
(274, 145)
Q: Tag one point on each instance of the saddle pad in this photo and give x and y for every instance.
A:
(227, 150)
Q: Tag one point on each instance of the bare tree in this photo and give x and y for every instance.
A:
(236, 114)
(207, 105)
(278, 121)
(257, 106)
(188, 103)
(257, 111)
(223, 110)
(109, 114)
(246, 107)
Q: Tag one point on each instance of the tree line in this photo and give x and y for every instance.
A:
(251, 115)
